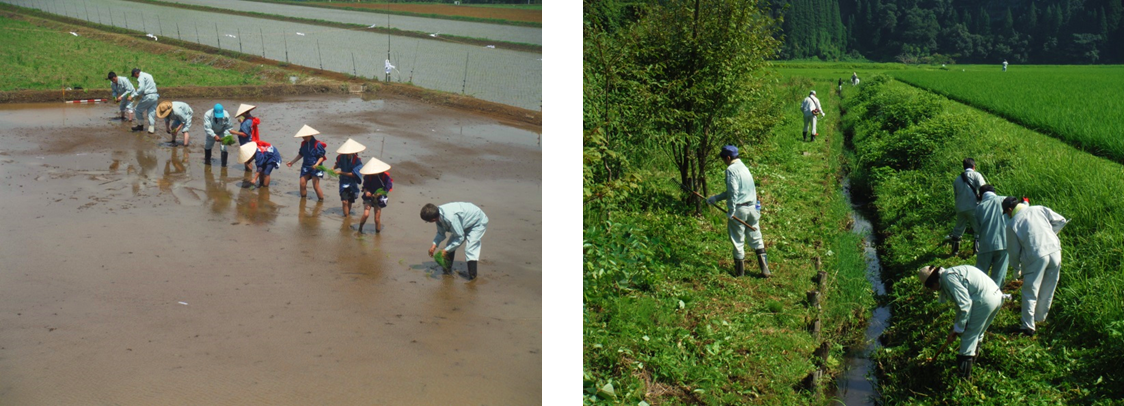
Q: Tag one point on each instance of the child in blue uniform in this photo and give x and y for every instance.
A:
(314, 153)
(375, 177)
(265, 158)
(347, 166)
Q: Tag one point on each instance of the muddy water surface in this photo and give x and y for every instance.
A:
(134, 274)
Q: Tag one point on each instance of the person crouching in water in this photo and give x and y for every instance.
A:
(466, 222)
(265, 158)
(376, 185)
(313, 152)
(347, 166)
(977, 299)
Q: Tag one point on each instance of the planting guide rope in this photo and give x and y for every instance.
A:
(497, 75)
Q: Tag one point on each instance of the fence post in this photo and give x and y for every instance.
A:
(354, 72)
(178, 31)
(217, 38)
(322, 59)
(240, 41)
(87, 7)
(262, 35)
(286, 38)
(465, 83)
(197, 40)
(159, 25)
(144, 24)
(115, 24)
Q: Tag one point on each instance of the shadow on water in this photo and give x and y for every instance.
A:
(857, 386)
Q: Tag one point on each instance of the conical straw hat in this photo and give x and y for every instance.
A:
(373, 166)
(242, 108)
(350, 147)
(163, 109)
(246, 151)
(306, 131)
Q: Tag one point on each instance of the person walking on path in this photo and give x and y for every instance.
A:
(466, 223)
(854, 79)
(348, 164)
(966, 190)
(146, 98)
(217, 124)
(1034, 248)
(313, 152)
(264, 157)
(123, 94)
(977, 301)
(376, 186)
(840, 85)
(1004, 65)
(991, 235)
(177, 118)
(811, 108)
(741, 203)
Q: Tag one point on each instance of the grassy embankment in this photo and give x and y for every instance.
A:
(39, 58)
(516, 46)
(909, 145)
(1077, 104)
(666, 323)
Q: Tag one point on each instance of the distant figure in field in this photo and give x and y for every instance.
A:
(840, 84)
(854, 79)
(966, 189)
(1004, 65)
(811, 108)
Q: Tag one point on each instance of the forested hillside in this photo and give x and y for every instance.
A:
(971, 31)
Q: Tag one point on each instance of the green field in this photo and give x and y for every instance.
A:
(1078, 104)
(908, 145)
(37, 58)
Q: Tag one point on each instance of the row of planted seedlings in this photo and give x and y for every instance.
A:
(908, 146)
(665, 322)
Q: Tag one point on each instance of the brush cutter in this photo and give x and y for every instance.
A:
(715, 206)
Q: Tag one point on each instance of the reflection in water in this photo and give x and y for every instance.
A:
(309, 221)
(216, 190)
(254, 204)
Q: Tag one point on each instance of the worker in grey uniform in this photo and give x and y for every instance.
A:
(177, 118)
(123, 94)
(966, 188)
(216, 125)
(741, 203)
(146, 98)
(977, 301)
(991, 234)
(467, 224)
(811, 108)
(1034, 248)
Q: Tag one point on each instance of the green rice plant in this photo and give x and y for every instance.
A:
(330, 172)
(229, 140)
(439, 256)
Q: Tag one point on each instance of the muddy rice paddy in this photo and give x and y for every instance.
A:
(134, 274)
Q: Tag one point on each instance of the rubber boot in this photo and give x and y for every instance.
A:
(138, 127)
(964, 365)
(805, 137)
(955, 245)
(814, 137)
(223, 158)
(471, 270)
(206, 157)
(763, 262)
(739, 267)
(975, 246)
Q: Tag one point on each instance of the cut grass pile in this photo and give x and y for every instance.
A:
(666, 323)
(38, 58)
(909, 145)
(1080, 105)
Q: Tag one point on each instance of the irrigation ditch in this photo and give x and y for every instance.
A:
(311, 81)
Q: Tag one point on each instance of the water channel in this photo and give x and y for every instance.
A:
(498, 75)
(857, 386)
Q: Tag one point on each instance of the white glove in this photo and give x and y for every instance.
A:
(712, 199)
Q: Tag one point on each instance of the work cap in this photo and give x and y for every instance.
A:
(163, 109)
(246, 151)
(306, 131)
(813, 92)
(112, 75)
(218, 111)
(374, 166)
(350, 147)
(136, 71)
(924, 273)
(730, 151)
(244, 108)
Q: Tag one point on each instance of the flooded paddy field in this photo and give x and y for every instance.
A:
(497, 75)
(134, 274)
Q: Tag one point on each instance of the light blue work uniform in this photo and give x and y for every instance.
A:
(1034, 247)
(123, 88)
(213, 126)
(181, 114)
(741, 202)
(966, 199)
(991, 231)
(977, 300)
(146, 97)
(466, 225)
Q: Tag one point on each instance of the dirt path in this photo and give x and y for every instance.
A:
(106, 232)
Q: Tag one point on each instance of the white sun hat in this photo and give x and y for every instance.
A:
(246, 151)
(243, 108)
(306, 131)
(373, 166)
(350, 147)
